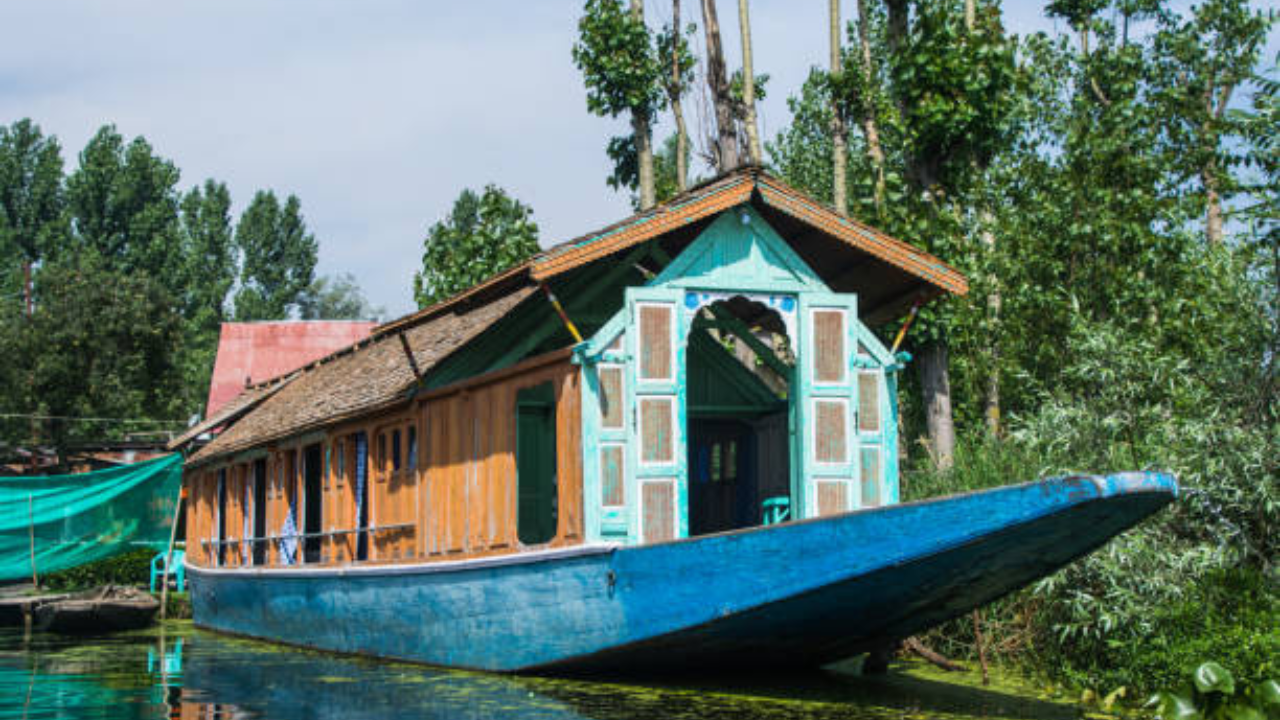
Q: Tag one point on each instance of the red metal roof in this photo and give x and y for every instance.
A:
(258, 351)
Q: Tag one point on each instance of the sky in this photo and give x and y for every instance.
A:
(375, 113)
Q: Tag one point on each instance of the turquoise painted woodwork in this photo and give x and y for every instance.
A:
(716, 379)
(656, 405)
(827, 404)
(739, 254)
(797, 594)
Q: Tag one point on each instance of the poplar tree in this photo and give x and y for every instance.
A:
(482, 235)
(279, 258)
(32, 224)
(623, 75)
(749, 123)
(724, 143)
(123, 204)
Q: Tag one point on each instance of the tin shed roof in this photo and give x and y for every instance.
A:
(252, 352)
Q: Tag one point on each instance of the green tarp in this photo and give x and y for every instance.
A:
(81, 518)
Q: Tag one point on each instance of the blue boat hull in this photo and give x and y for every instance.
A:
(796, 594)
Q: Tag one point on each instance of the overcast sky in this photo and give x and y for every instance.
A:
(375, 113)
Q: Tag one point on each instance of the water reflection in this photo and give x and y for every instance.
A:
(182, 673)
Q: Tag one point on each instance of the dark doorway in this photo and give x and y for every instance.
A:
(222, 517)
(311, 503)
(260, 511)
(722, 485)
(536, 464)
(739, 370)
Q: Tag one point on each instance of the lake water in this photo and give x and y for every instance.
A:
(180, 672)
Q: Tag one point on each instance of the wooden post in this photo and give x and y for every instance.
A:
(168, 558)
(31, 527)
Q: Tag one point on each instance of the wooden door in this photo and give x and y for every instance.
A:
(825, 404)
(658, 496)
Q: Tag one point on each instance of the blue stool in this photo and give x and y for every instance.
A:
(776, 510)
(178, 572)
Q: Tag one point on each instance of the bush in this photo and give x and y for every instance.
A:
(129, 568)
(1193, 582)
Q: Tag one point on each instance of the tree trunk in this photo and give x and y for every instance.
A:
(935, 385)
(27, 305)
(870, 126)
(1213, 205)
(682, 132)
(643, 136)
(991, 402)
(644, 157)
(725, 143)
(970, 14)
(897, 23)
(749, 87)
(839, 153)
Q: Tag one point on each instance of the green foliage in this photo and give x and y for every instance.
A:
(1211, 693)
(131, 280)
(626, 173)
(123, 205)
(337, 298)
(130, 568)
(954, 85)
(483, 235)
(676, 80)
(31, 198)
(210, 265)
(616, 54)
(279, 258)
(102, 344)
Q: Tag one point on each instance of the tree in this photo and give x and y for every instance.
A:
(107, 345)
(1206, 58)
(279, 258)
(123, 205)
(210, 269)
(673, 48)
(724, 144)
(749, 87)
(31, 201)
(839, 151)
(482, 235)
(623, 74)
(337, 297)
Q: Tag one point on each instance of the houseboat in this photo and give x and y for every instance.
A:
(672, 443)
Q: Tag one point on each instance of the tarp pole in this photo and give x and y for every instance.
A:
(31, 527)
(168, 559)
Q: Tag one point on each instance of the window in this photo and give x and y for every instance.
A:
(311, 504)
(536, 490)
(380, 455)
(259, 511)
(395, 450)
(222, 517)
(413, 448)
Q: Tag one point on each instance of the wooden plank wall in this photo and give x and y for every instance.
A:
(459, 492)
(469, 498)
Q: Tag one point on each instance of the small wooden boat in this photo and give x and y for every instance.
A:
(15, 608)
(108, 609)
